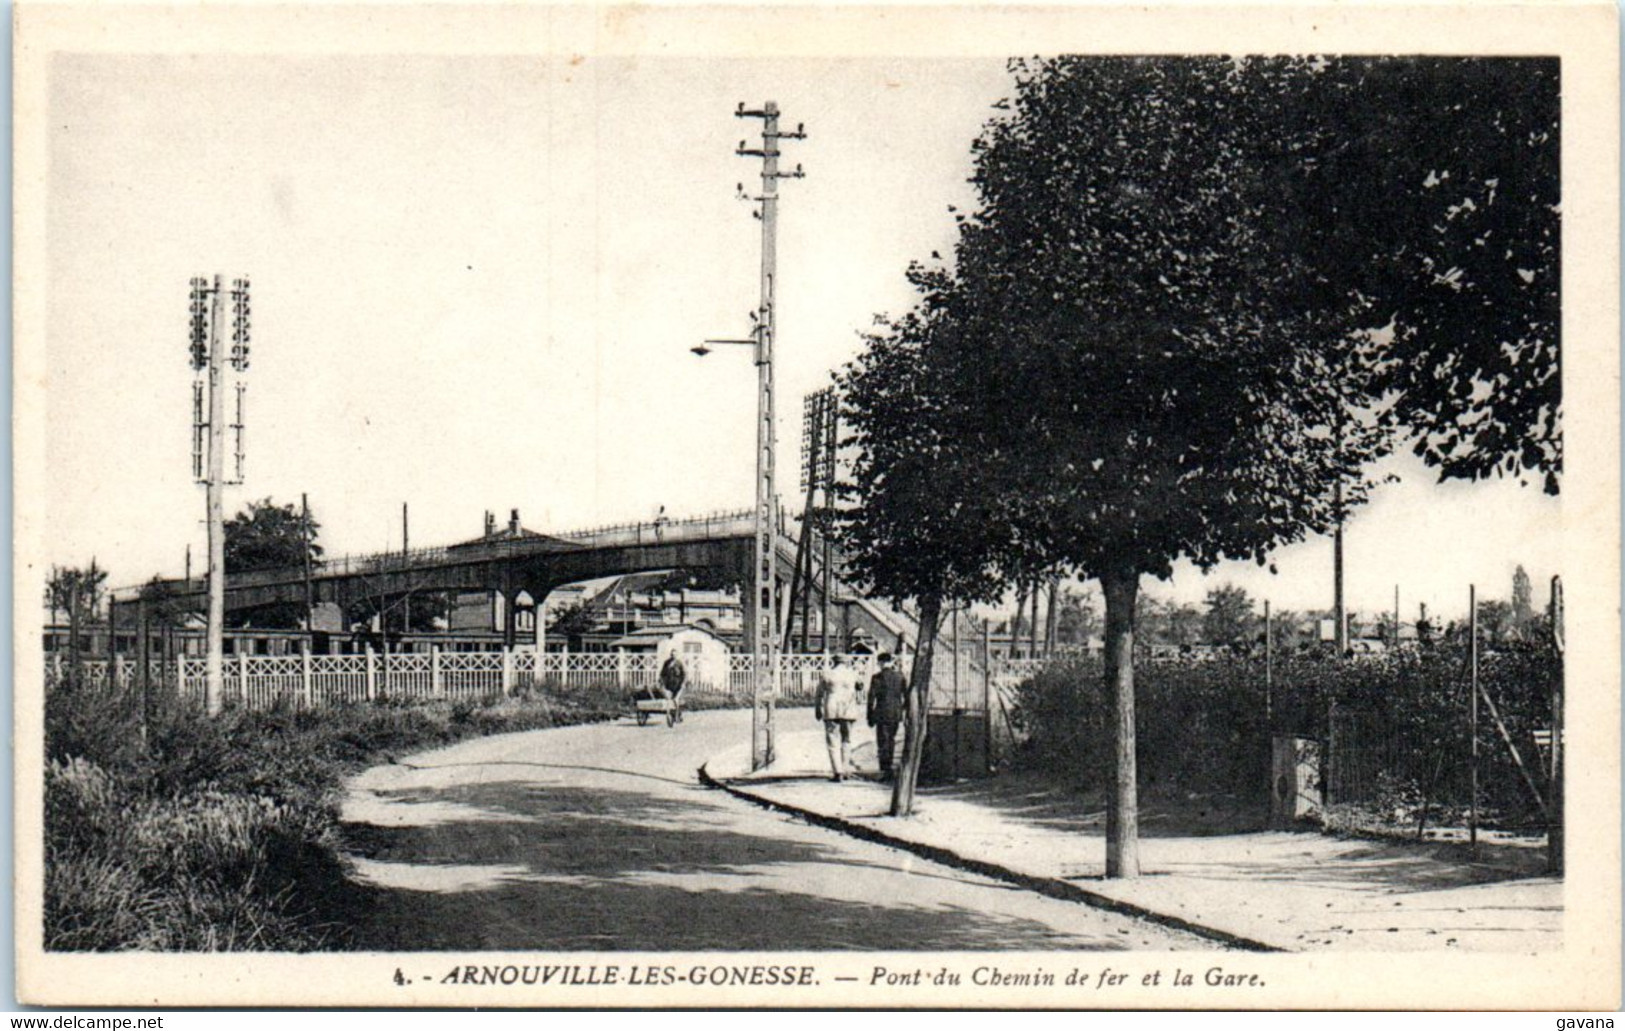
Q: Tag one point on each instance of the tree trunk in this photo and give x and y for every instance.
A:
(1122, 804)
(914, 717)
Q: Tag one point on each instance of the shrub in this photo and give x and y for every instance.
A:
(1198, 726)
(1401, 726)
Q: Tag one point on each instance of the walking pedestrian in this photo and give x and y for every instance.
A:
(839, 700)
(888, 693)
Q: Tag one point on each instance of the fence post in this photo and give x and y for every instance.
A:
(372, 675)
(436, 687)
(180, 676)
(507, 672)
(115, 673)
(306, 694)
(620, 669)
(987, 695)
(1328, 765)
(242, 678)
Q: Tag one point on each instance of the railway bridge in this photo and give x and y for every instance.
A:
(518, 561)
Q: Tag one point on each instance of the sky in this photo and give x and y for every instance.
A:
(477, 280)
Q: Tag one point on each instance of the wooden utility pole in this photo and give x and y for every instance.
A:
(1396, 617)
(1052, 621)
(832, 422)
(1340, 629)
(1472, 718)
(75, 658)
(1021, 614)
(1269, 671)
(1554, 776)
(112, 639)
(406, 549)
(208, 448)
(761, 634)
(304, 535)
(1032, 627)
(958, 710)
(215, 493)
(143, 671)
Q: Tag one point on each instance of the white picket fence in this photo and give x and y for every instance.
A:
(319, 681)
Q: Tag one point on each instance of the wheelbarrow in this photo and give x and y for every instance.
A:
(656, 707)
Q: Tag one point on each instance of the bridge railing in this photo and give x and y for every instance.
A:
(665, 531)
(660, 531)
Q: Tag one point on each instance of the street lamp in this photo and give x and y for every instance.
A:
(705, 348)
(760, 601)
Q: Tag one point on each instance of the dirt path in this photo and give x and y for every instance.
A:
(601, 837)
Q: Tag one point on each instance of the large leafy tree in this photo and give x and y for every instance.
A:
(1144, 344)
(1195, 297)
(266, 535)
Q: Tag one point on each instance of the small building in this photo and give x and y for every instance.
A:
(702, 653)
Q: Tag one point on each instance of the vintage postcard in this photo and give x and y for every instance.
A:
(869, 506)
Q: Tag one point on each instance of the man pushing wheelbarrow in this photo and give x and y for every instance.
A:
(667, 694)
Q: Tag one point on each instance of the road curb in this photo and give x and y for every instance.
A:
(1054, 887)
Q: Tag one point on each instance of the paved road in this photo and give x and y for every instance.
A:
(601, 838)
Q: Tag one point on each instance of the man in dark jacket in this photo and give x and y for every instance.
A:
(673, 677)
(888, 694)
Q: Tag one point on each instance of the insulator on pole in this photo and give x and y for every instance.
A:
(198, 427)
(237, 430)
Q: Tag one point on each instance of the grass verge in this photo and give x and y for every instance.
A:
(179, 832)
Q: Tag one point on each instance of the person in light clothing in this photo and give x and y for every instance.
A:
(839, 702)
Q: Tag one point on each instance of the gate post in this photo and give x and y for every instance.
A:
(372, 676)
(307, 697)
(242, 678)
(507, 672)
(436, 687)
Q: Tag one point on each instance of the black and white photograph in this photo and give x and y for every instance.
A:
(882, 507)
